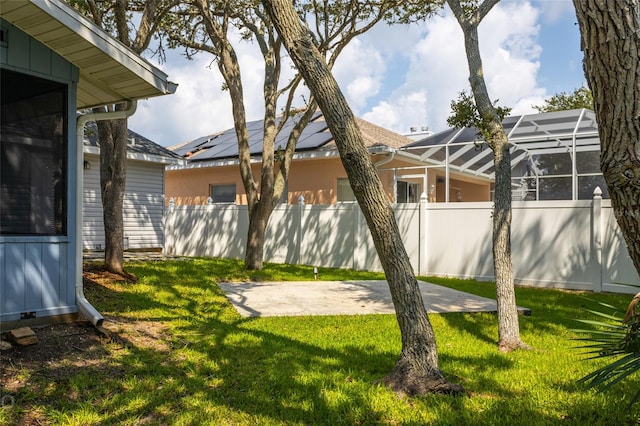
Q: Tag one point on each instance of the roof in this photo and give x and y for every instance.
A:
(138, 147)
(315, 137)
(109, 71)
(529, 135)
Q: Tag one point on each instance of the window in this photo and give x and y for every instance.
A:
(407, 192)
(223, 193)
(33, 156)
(344, 192)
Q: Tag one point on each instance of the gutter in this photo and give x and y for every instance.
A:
(386, 160)
(84, 306)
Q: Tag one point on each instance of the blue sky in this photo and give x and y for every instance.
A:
(397, 77)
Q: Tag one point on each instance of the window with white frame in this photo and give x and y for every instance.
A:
(407, 192)
(225, 193)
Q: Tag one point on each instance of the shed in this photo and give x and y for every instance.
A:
(143, 210)
(53, 62)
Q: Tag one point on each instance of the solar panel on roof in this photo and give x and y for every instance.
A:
(257, 124)
(315, 141)
(223, 151)
(190, 146)
(217, 150)
(314, 127)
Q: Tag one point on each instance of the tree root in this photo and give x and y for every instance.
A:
(406, 382)
(507, 347)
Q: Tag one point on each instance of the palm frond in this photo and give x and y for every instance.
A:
(615, 335)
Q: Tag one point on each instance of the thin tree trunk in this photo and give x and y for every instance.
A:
(417, 370)
(113, 172)
(508, 322)
(610, 32)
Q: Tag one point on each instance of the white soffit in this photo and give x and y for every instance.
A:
(109, 71)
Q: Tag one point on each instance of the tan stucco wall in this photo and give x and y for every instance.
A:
(316, 180)
(468, 188)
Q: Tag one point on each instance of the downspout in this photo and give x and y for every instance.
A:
(84, 306)
(384, 161)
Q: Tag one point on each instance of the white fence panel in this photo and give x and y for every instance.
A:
(408, 219)
(210, 231)
(328, 235)
(563, 244)
(459, 240)
(551, 243)
(617, 266)
(282, 236)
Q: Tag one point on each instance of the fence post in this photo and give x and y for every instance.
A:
(423, 241)
(300, 229)
(596, 239)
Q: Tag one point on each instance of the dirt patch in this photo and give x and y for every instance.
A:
(66, 349)
(97, 273)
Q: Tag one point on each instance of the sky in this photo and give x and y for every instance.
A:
(397, 77)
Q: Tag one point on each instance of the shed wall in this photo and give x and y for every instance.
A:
(142, 211)
(37, 273)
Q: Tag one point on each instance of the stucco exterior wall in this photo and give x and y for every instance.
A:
(316, 180)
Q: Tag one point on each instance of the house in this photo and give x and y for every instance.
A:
(554, 156)
(316, 172)
(53, 62)
(143, 209)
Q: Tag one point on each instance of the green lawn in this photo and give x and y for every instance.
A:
(202, 363)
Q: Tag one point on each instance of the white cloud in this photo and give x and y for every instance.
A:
(397, 112)
(362, 67)
(553, 10)
(395, 76)
(438, 68)
(200, 106)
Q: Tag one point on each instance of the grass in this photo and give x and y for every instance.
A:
(201, 363)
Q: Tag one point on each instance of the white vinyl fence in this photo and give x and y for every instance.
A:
(562, 244)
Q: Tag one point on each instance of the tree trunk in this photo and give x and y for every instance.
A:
(496, 138)
(508, 324)
(258, 221)
(417, 370)
(113, 170)
(610, 32)
(113, 134)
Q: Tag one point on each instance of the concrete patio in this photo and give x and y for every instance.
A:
(262, 299)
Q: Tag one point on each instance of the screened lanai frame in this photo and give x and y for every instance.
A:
(554, 155)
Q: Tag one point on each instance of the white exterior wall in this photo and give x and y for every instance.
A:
(143, 208)
(561, 244)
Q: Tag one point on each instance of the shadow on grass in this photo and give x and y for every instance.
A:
(203, 364)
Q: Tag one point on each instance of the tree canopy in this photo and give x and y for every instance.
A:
(579, 98)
